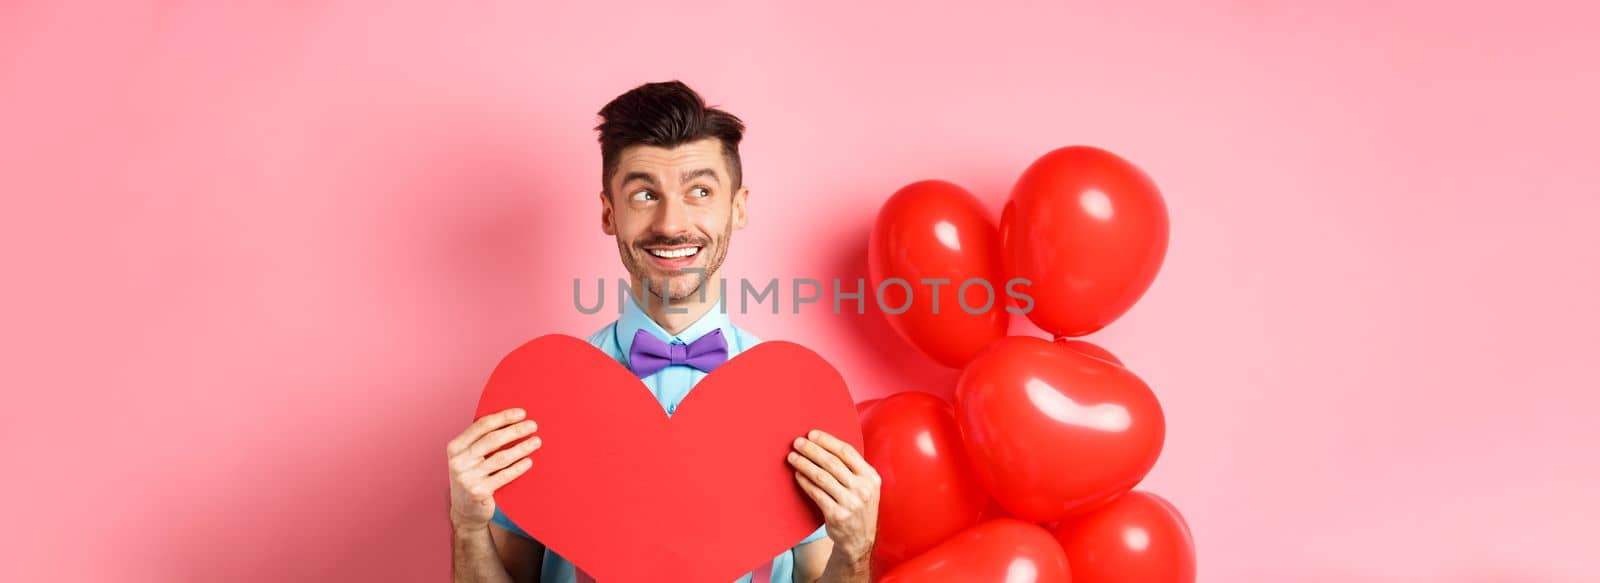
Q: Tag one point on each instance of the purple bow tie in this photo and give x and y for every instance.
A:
(649, 354)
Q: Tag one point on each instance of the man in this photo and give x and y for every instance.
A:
(672, 196)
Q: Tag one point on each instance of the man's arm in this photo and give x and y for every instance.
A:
(495, 555)
(816, 562)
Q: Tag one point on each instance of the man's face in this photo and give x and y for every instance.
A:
(671, 210)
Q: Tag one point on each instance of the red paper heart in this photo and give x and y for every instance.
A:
(629, 494)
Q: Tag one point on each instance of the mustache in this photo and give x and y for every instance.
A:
(681, 240)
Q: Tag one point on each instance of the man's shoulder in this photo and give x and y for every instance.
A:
(605, 339)
(743, 339)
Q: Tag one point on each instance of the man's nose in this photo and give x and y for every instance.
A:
(672, 217)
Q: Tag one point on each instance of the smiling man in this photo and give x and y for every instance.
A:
(672, 196)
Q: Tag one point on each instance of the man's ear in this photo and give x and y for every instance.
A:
(740, 216)
(607, 223)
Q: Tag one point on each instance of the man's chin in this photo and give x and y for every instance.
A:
(681, 286)
(686, 291)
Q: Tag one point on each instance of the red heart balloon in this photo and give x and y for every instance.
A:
(936, 230)
(1002, 550)
(1090, 349)
(993, 511)
(1089, 231)
(1139, 536)
(628, 494)
(863, 406)
(1052, 431)
(928, 492)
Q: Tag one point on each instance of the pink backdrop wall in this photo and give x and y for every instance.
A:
(260, 259)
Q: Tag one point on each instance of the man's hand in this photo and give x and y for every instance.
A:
(475, 475)
(845, 487)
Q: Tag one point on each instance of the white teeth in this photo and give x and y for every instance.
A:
(674, 253)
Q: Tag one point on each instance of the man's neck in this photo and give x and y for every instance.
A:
(677, 315)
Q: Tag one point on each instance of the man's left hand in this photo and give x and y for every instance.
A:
(845, 487)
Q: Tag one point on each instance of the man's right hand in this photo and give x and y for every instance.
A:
(475, 475)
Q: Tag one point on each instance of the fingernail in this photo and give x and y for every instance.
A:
(794, 457)
(813, 434)
(517, 413)
(799, 441)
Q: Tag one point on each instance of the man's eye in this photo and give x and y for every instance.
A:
(643, 195)
(702, 191)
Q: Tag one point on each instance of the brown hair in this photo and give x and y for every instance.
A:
(664, 114)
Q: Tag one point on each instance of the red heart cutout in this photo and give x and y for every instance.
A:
(629, 494)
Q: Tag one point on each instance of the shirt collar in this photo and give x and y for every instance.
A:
(634, 319)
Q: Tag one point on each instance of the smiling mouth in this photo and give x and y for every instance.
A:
(674, 253)
(674, 258)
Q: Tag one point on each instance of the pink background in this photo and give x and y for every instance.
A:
(260, 260)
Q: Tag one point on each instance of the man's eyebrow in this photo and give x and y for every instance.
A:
(637, 175)
(698, 172)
